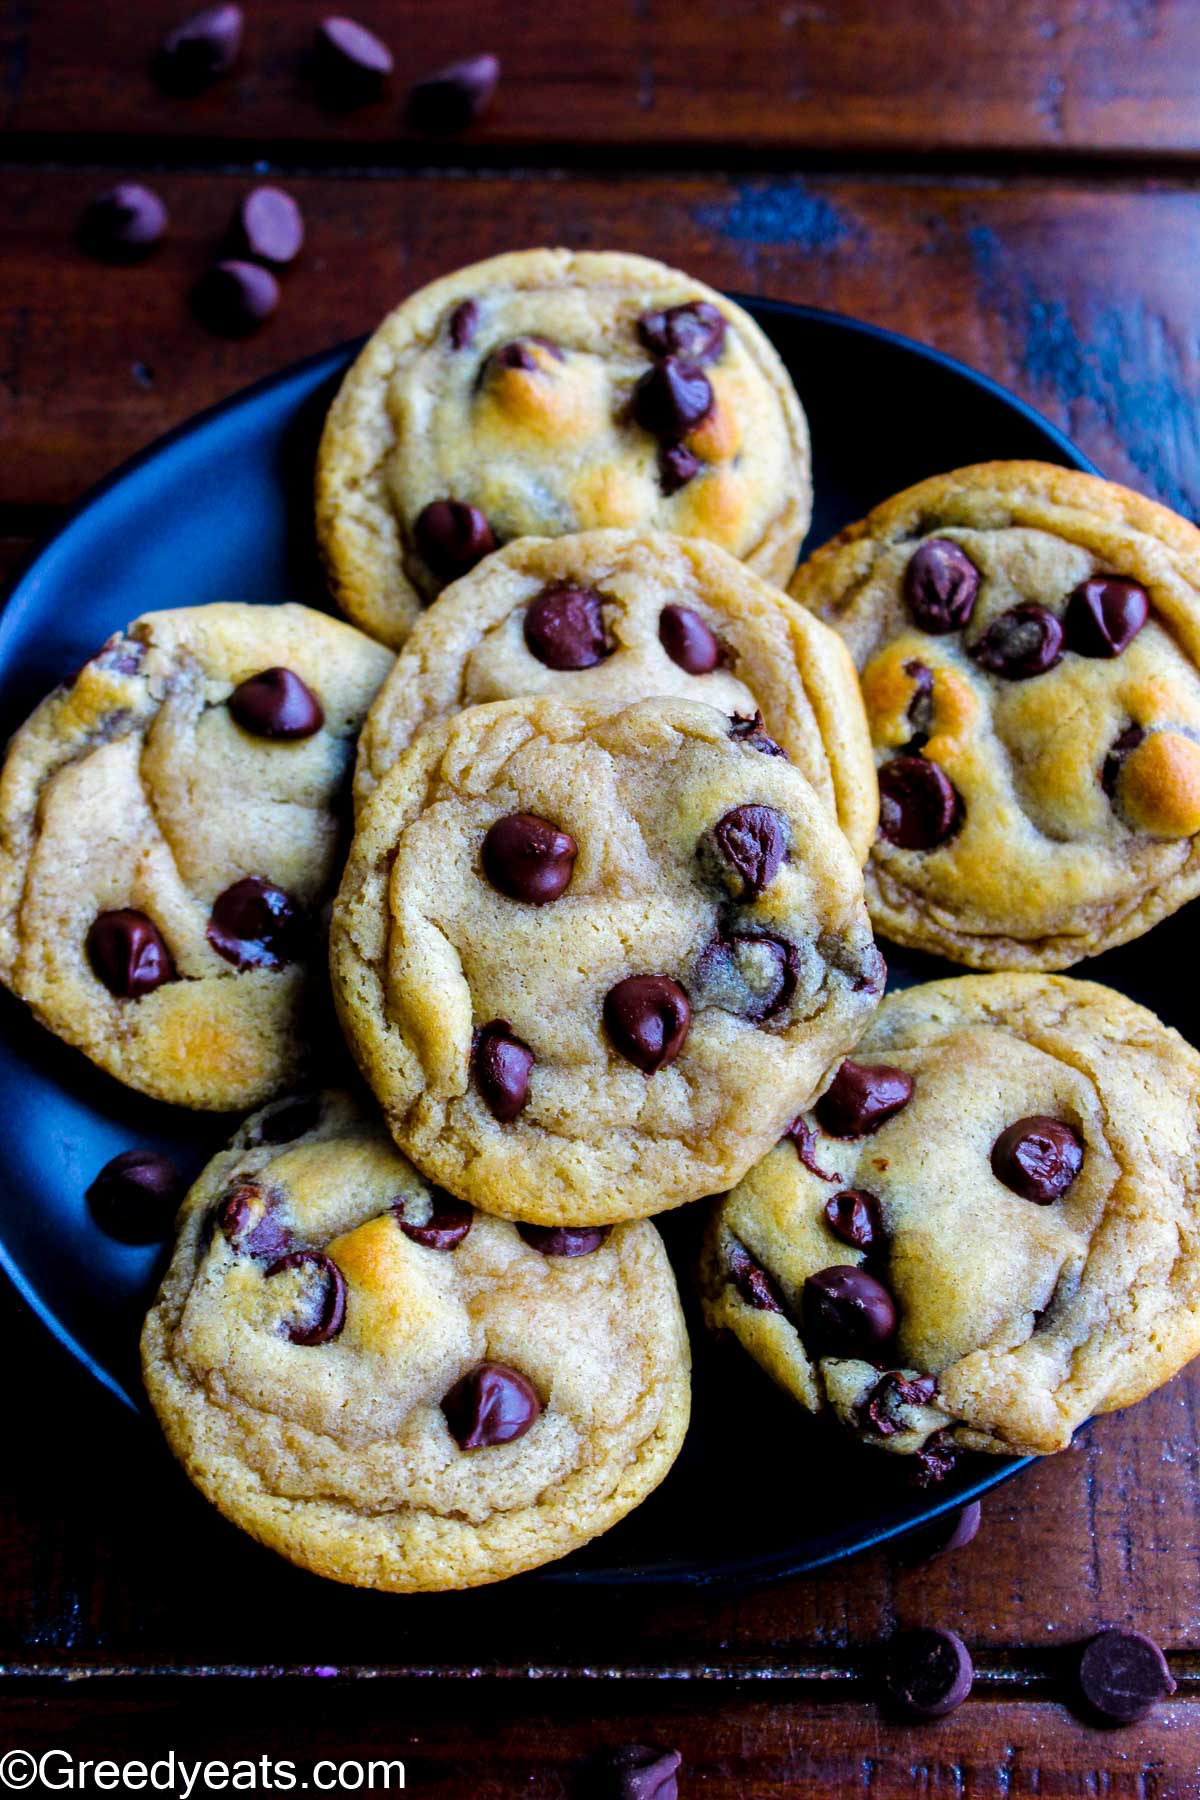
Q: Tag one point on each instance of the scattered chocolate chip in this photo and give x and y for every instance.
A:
(677, 465)
(750, 731)
(941, 586)
(928, 1672)
(1122, 1674)
(276, 703)
(256, 926)
(127, 953)
(135, 1196)
(920, 707)
(846, 1312)
(671, 399)
(752, 842)
(854, 1217)
(752, 1281)
(564, 628)
(235, 297)
(269, 226)
(249, 1219)
(636, 1772)
(454, 97)
(447, 1225)
(124, 223)
(952, 1531)
(919, 806)
(804, 1140)
(881, 1411)
(322, 1310)
(861, 1098)
(688, 641)
(1104, 615)
(1038, 1158)
(452, 537)
(565, 1240)
(935, 1459)
(519, 354)
(1026, 640)
(1127, 741)
(290, 1120)
(749, 974)
(647, 1017)
(464, 322)
(350, 63)
(201, 48)
(694, 331)
(502, 1064)
(490, 1405)
(527, 858)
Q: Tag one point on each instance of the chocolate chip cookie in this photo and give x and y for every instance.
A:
(591, 963)
(392, 1389)
(986, 1229)
(610, 617)
(1028, 639)
(553, 391)
(169, 828)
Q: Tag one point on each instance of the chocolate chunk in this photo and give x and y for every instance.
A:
(200, 49)
(953, 1531)
(882, 1412)
(1122, 1674)
(854, 1217)
(235, 297)
(127, 953)
(250, 1220)
(454, 97)
(451, 537)
(688, 641)
(861, 1098)
(269, 225)
(1025, 641)
(752, 1281)
(749, 974)
(919, 806)
(694, 331)
(752, 842)
(322, 1309)
(936, 1458)
(920, 707)
(647, 1017)
(502, 1064)
(671, 399)
(1038, 1158)
(275, 703)
(1127, 741)
(519, 354)
(490, 1405)
(464, 322)
(1104, 615)
(749, 731)
(677, 465)
(564, 627)
(636, 1772)
(846, 1312)
(256, 926)
(124, 223)
(350, 63)
(804, 1140)
(135, 1196)
(528, 859)
(928, 1672)
(290, 1120)
(447, 1225)
(565, 1240)
(941, 586)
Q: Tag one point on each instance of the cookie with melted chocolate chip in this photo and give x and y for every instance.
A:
(1029, 645)
(169, 829)
(554, 391)
(392, 1389)
(592, 962)
(984, 1232)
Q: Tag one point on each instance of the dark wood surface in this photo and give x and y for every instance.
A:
(1013, 183)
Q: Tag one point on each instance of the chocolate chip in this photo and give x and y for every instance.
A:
(804, 1140)
(256, 926)
(920, 707)
(135, 1196)
(519, 354)
(1127, 741)
(688, 641)
(289, 1120)
(953, 1531)
(452, 537)
(349, 62)
(749, 974)
(752, 842)
(846, 1312)
(200, 49)
(1038, 1158)
(127, 953)
(637, 1772)
(677, 465)
(454, 97)
(447, 1225)
(928, 1672)
(854, 1217)
(528, 858)
(269, 225)
(275, 703)
(565, 1240)
(1025, 641)
(464, 322)
(694, 331)
(322, 1310)
(250, 1220)
(1104, 615)
(647, 1018)
(935, 1459)
(564, 627)
(919, 806)
(671, 399)
(882, 1410)
(862, 1097)
(752, 1281)
(1122, 1674)
(235, 297)
(941, 586)
(490, 1405)
(124, 223)
(502, 1064)
(749, 731)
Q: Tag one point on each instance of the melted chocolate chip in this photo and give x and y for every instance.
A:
(1038, 1158)
(454, 97)
(881, 1410)
(290, 1120)
(200, 49)
(256, 926)
(1025, 641)
(941, 586)
(269, 226)
(276, 703)
(135, 1196)
(322, 1309)
(854, 1217)
(694, 331)
(846, 1312)
(750, 731)
(451, 537)
(502, 1065)
(565, 1240)
(446, 1226)
(1104, 615)
(919, 806)
(564, 627)
(936, 1458)
(804, 1141)
(1127, 741)
(464, 322)
(1122, 1674)
(752, 842)
(235, 297)
(519, 354)
(671, 399)
(749, 974)
(492, 1404)
(527, 858)
(636, 1772)
(249, 1219)
(752, 1281)
(350, 63)
(928, 1672)
(127, 953)
(677, 465)
(688, 641)
(647, 1018)
(861, 1098)
(124, 223)
(920, 707)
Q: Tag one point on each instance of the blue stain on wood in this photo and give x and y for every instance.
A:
(778, 212)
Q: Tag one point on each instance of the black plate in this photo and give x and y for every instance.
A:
(221, 509)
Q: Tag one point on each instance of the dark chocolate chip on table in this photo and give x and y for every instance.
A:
(919, 806)
(1038, 1158)
(527, 858)
(127, 953)
(688, 640)
(322, 1309)
(1122, 1673)
(454, 97)
(752, 842)
(1104, 615)
(564, 627)
(255, 925)
(492, 1404)
(235, 297)
(135, 1196)
(1025, 641)
(853, 1216)
(927, 1672)
(201, 48)
(846, 1312)
(671, 399)
(447, 1224)
(694, 331)
(276, 703)
(269, 226)
(647, 1017)
(565, 1240)
(862, 1097)
(635, 1772)
(502, 1064)
(952, 1531)
(350, 63)
(941, 586)
(452, 537)
(124, 223)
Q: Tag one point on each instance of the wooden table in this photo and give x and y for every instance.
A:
(1011, 180)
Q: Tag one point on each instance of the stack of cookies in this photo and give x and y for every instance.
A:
(591, 795)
